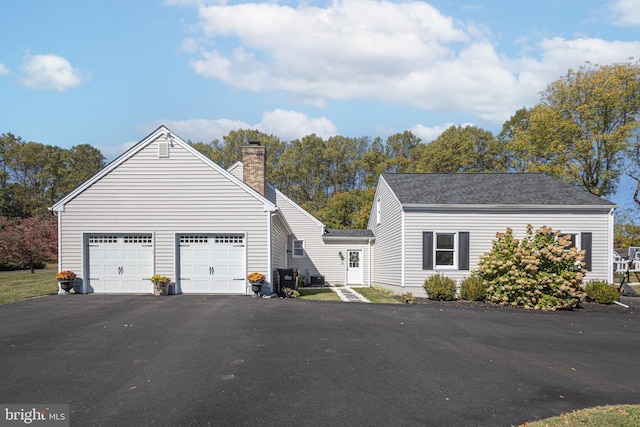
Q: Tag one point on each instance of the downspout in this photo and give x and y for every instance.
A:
(402, 249)
(270, 215)
(610, 246)
(370, 261)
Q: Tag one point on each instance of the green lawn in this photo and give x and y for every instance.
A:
(320, 294)
(376, 296)
(19, 285)
(601, 416)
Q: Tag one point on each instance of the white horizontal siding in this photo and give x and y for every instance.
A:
(388, 245)
(164, 196)
(483, 227)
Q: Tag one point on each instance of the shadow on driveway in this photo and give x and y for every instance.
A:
(230, 360)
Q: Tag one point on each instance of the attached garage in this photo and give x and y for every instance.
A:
(120, 263)
(212, 263)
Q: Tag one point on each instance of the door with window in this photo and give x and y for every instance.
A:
(212, 263)
(354, 267)
(120, 263)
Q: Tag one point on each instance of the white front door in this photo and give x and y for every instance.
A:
(120, 263)
(354, 267)
(212, 263)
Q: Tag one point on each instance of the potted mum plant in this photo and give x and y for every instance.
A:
(65, 281)
(256, 280)
(160, 284)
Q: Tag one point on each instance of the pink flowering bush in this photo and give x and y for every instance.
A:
(541, 271)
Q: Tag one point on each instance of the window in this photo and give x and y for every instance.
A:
(445, 250)
(298, 248)
(574, 240)
(582, 241)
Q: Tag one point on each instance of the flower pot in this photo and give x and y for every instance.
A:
(65, 286)
(165, 288)
(256, 287)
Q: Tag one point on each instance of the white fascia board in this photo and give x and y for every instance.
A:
(235, 165)
(161, 131)
(298, 207)
(452, 207)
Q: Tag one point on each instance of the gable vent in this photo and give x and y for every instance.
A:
(163, 149)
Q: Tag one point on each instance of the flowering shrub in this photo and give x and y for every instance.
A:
(255, 277)
(540, 272)
(440, 288)
(473, 289)
(66, 275)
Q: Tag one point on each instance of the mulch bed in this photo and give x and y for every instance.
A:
(586, 307)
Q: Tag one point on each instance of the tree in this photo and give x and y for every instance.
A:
(399, 149)
(460, 149)
(28, 241)
(582, 128)
(348, 209)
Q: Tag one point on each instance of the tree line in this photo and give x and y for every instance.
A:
(583, 130)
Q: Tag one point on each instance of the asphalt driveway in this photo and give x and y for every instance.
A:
(228, 360)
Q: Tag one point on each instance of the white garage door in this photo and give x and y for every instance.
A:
(212, 263)
(120, 263)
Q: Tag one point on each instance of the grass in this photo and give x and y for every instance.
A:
(321, 294)
(19, 285)
(377, 296)
(600, 416)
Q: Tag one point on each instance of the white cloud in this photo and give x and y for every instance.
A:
(3, 70)
(405, 53)
(428, 134)
(287, 125)
(626, 12)
(51, 72)
(110, 152)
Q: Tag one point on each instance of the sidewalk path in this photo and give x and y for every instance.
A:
(347, 294)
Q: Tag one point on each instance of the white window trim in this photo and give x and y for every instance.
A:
(578, 239)
(378, 211)
(456, 250)
(293, 252)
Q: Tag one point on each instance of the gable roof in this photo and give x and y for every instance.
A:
(160, 132)
(489, 190)
(349, 234)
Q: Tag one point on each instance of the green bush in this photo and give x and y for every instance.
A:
(541, 271)
(440, 288)
(473, 289)
(601, 292)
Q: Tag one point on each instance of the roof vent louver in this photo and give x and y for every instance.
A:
(163, 149)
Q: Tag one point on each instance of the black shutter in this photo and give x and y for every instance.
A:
(427, 250)
(463, 251)
(585, 244)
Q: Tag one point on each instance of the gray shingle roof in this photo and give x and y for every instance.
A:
(349, 233)
(488, 189)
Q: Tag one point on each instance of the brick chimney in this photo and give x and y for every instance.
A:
(254, 166)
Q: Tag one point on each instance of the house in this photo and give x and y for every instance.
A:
(426, 224)
(164, 208)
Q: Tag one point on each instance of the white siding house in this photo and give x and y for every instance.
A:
(426, 224)
(164, 208)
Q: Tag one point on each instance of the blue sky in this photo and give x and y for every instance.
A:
(108, 72)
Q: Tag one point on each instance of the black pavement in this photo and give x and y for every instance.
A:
(229, 361)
